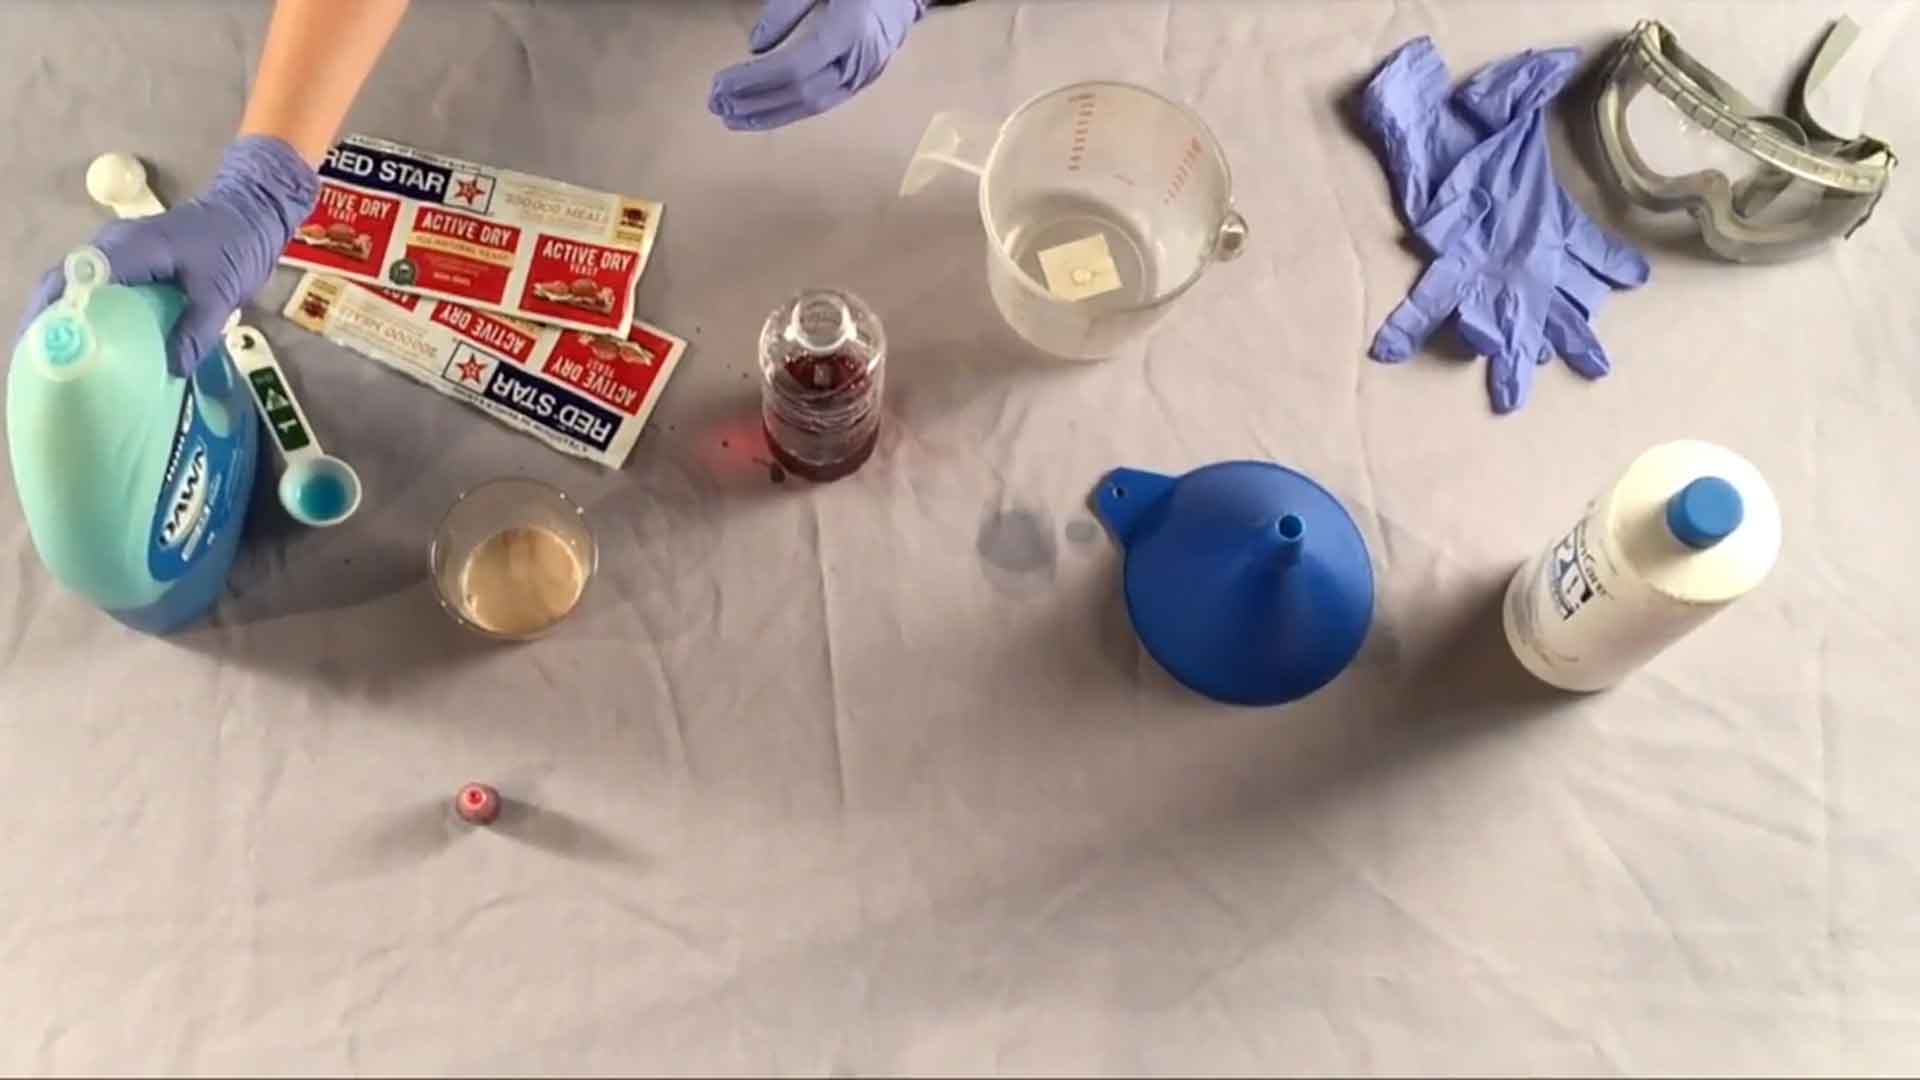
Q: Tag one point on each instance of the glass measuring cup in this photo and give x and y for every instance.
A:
(1103, 203)
(512, 559)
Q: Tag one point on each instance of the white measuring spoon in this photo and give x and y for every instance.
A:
(316, 488)
(118, 182)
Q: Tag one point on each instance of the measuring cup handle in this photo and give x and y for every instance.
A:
(1231, 241)
(954, 140)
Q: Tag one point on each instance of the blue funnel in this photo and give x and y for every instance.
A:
(1247, 581)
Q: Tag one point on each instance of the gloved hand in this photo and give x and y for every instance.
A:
(218, 249)
(1422, 134)
(847, 48)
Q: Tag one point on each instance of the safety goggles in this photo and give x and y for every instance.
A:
(1762, 187)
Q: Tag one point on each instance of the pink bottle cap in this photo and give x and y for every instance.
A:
(477, 804)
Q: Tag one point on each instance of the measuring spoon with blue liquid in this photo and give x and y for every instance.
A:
(316, 488)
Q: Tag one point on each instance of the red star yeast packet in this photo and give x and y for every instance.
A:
(583, 393)
(487, 238)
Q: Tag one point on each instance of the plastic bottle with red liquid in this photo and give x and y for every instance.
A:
(823, 359)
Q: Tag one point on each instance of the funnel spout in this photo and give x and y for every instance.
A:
(1289, 539)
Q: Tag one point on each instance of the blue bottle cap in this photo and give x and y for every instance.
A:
(64, 340)
(1704, 512)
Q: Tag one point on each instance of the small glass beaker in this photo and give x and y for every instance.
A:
(823, 357)
(512, 558)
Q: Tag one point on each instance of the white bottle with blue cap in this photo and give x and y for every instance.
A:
(1688, 529)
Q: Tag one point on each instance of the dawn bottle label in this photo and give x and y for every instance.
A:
(196, 498)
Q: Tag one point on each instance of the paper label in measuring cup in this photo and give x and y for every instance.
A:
(582, 393)
(400, 218)
(1080, 270)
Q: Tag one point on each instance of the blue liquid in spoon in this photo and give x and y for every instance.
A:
(322, 498)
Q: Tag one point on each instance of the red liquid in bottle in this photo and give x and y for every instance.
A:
(822, 363)
(821, 474)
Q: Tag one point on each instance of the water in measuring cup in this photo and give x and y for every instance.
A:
(1055, 219)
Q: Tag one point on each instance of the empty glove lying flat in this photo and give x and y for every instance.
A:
(1516, 261)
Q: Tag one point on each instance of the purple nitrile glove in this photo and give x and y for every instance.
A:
(1597, 263)
(1422, 134)
(847, 48)
(218, 249)
(1499, 240)
(1422, 127)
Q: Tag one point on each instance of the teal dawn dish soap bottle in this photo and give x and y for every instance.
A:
(134, 480)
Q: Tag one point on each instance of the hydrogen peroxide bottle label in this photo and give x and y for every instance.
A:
(1560, 597)
(1572, 574)
(196, 499)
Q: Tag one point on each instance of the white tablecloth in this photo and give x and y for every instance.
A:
(873, 777)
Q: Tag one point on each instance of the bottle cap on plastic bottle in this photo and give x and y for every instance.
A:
(65, 340)
(1704, 512)
(477, 804)
(65, 337)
